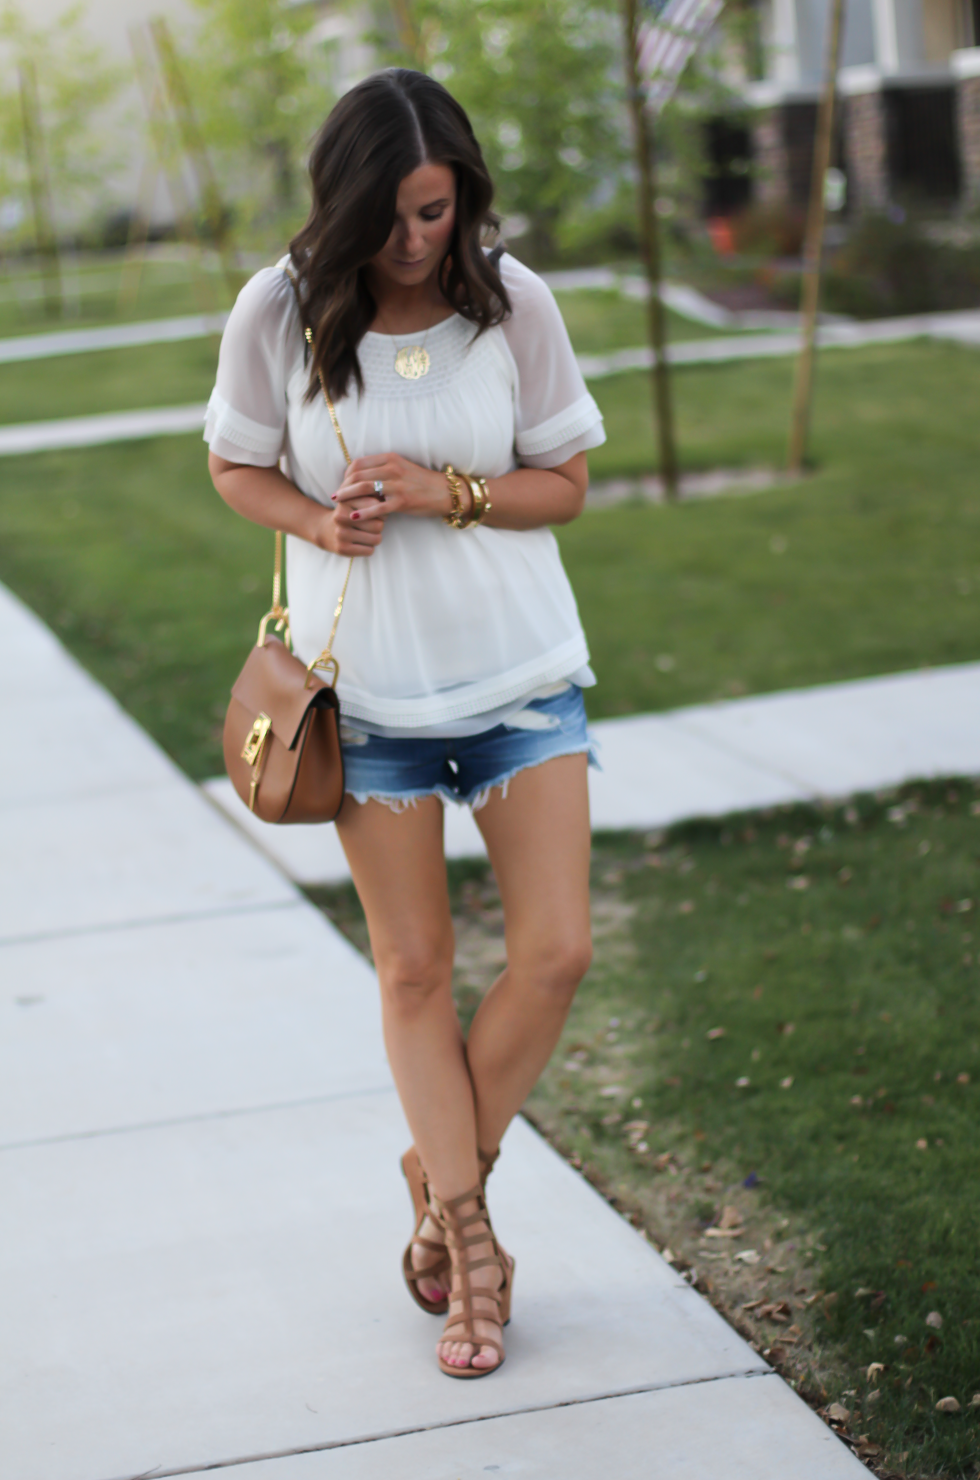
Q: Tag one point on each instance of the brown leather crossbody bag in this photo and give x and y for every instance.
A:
(282, 730)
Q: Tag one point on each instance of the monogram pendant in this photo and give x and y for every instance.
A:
(412, 361)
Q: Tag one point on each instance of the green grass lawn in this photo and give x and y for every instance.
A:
(872, 565)
(783, 1020)
(601, 319)
(108, 380)
(168, 287)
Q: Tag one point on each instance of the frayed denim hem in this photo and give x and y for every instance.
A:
(402, 803)
(479, 798)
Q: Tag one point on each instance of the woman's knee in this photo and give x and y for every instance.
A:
(555, 966)
(413, 972)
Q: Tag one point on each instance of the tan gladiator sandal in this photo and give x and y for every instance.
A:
(496, 1303)
(418, 1186)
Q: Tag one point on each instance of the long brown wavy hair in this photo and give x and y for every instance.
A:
(379, 132)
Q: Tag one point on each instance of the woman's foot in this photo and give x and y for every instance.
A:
(428, 1247)
(425, 1262)
(479, 1301)
(428, 1251)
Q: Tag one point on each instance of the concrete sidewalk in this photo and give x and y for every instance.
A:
(709, 760)
(203, 1216)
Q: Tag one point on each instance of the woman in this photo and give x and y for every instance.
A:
(462, 657)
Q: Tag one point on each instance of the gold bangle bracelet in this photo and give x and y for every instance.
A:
(456, 518)
(481, 502)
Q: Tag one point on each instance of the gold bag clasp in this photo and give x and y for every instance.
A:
(252, 748)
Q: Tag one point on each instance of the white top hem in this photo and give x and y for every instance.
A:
(436, 709)
(225, 423)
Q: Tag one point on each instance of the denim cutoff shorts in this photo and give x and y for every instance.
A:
(465, 769)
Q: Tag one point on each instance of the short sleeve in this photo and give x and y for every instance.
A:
(555, 416)
(246, 419)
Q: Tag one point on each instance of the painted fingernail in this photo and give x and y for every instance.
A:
(355, 516)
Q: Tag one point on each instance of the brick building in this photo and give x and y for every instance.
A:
(909, 116)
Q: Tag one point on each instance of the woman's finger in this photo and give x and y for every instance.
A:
(351, 542)
(372, 511)
(361, 466)
(363, 514)
(378, 490)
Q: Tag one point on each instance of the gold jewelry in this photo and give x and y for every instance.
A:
(456, 518)
(412, 360)
(481, 501)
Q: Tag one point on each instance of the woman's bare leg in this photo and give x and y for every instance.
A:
(538, 840)
(399, 871)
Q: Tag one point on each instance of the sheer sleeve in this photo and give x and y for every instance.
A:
(246, 418)
(555, 415)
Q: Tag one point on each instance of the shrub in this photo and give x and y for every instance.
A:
(892, 266)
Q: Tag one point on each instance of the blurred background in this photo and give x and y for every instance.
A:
(543, 82)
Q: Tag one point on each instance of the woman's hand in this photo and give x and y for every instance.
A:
(268, 498)
(406, 489)
(343, 531)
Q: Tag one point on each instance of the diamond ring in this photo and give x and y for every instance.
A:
(379, 487)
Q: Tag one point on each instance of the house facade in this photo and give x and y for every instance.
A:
(908, 128)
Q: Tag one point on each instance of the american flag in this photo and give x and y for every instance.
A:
(668, 36)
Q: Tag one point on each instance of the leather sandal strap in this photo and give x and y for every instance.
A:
(473, 1239)
(473, 1340)
(479, 1216)
(449, 1205)
(429, 1272)
(483, 1264)
(430, 1244)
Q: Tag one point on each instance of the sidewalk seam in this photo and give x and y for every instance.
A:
(147, 921)
(726, 747)
(202, 1117)
(451, 1423)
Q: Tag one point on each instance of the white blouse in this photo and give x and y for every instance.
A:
(444, 631)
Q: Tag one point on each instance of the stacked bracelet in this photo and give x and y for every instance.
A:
(455, 517)
(481, 500)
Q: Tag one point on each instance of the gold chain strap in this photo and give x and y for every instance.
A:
(327, 658)
(280, 613)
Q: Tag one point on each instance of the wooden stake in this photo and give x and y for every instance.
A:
(132, 268)
(196, 152)
(166, 147)
(408, 34)
(812, 250)
(37, 168)
(650, 242)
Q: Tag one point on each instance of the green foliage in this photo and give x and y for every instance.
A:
(541, 82)
(261, 88)
(895, 267)
(78, 92)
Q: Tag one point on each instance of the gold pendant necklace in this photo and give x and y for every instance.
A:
(412, 360)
